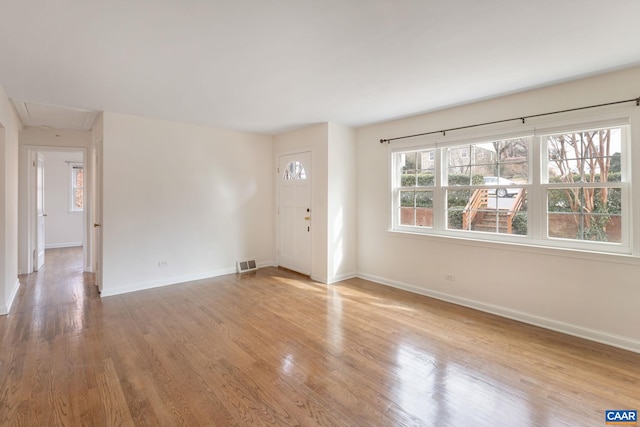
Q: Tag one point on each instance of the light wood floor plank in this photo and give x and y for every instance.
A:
(274, 348)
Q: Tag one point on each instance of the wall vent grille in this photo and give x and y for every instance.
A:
(244, 266)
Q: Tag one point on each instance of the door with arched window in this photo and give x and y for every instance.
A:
(294, 212)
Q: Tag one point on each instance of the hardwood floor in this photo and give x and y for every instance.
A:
(274, 348)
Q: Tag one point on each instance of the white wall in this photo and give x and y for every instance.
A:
(63, 228)
(589, 295)
(341, 206)
(194, 197)
(45, 137)
(9, 129)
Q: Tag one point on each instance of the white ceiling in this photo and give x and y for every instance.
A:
(272, 65)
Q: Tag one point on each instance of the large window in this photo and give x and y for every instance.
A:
(564, 188)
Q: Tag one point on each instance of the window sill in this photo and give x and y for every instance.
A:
(525, 247)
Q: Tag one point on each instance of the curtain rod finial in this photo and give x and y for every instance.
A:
(382, 141)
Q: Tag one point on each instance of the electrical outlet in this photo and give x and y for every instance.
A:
(449, 277)
(162, 263)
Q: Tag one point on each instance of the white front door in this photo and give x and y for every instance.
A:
(38, 261)
(294, 212)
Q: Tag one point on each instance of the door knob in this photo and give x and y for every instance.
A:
(97, 224)
(45, 215)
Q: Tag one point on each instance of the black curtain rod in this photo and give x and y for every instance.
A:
(523, 119)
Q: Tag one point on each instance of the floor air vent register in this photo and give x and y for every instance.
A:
(245, 266)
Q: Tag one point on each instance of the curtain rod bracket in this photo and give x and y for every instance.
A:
(523, 119)
(638, 102)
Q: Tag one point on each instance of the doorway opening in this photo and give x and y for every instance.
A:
(55, 205)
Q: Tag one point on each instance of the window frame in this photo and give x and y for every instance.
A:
(537, 215)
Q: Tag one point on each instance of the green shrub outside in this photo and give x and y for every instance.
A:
(455, 219)
(519, 223)
(558, 202)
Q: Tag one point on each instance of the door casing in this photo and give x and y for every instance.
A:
(28, 223)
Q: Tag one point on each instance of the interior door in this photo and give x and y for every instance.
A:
(38, 261)
(294, 212)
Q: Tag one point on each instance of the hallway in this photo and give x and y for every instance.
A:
(41, 341)
(60, 283)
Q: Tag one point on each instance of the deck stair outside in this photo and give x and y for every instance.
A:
(478, 216)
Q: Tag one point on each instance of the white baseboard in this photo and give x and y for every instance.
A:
(62, 245)
(267, 264)
(134, 287)
(341, 277)
(6, 307)
(554, 325)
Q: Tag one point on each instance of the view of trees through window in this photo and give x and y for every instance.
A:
(589, 161)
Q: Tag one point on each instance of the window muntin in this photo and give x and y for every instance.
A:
(504, 159)
(415, 195)
(494, 175)
(586, 156)
(585, 213)
(584, 195)
(471, 190)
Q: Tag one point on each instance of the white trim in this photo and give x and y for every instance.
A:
(141, 286)
(319, 279)
(6, 308)
(341, 277)
(62, 245)
(602, 337)
(26, 207)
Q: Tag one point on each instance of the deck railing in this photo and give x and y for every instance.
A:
(515, 208)
(479, 199)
